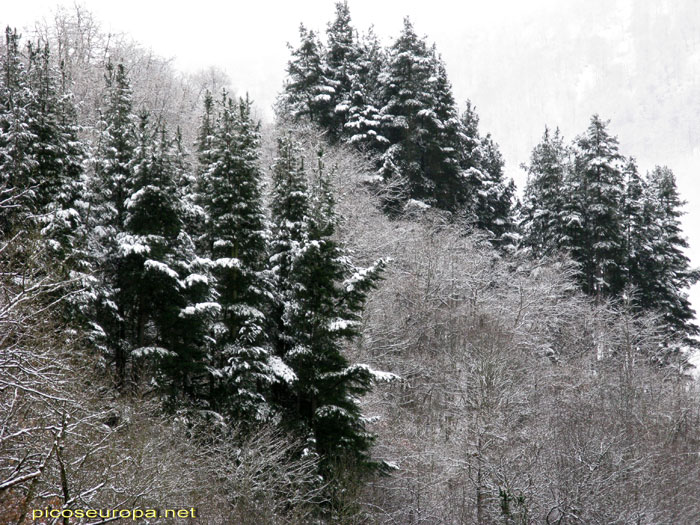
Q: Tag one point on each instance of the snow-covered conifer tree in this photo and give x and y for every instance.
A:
(113, 164)
(58, 194)
(341, 61)
(157, 282)
(235, 243)
(593, 218)
(666, 272)
(17, 139)
(486, 195)
(636, 217)
(308, 93)
(320, 300)
(542, 212)
(407, 113)
(363, 119)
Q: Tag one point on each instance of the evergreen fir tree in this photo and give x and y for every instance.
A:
(636, 217)
(155, 283)
(486, 195)
(320, 298)
(289, 208)
(235, 241)
(113, 166)
(623, 230)
(363, 119)
(542, 212)
(341, 61)
(17, 139)
(407, 115)
(58, 188)
(116, 147)
(666, 270)
(442, 141)
(196, 216)
(308, 93)
(593, 216)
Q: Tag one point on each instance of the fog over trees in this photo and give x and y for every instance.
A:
(349, 315)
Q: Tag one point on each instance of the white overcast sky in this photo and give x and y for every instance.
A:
(523, 63)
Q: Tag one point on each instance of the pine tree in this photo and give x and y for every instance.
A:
(542, 213)
(155, 283)
(113, 166)
(636, 217)
(116, 145)
(363, 119)
(320, 298)
(235, 241)
(196, 215)
(58, 188)
(187, 180)
(341, 61)
(289, 209)
(407, 115)
(442, 142)
(308, 93)
(17, 157)
(666, 270)
(593, 217)
(486, 195)
(41, 159)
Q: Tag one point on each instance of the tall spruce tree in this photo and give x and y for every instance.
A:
(542, 213)
(308, 93)
(58, 191)
(156, 283)
(407, 115)
(195, 197)
(235, 241)
(341, 61)
(319, 299)
(363, 119)
(666, 270)
(486, 195)
(18, 162)
(40, 154)
(593, 217)
(113, 167)
(442, 142)
(637, 219)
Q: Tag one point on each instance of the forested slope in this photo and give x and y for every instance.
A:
(344, 316)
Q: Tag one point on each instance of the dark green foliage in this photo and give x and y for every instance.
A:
(154, 280)
(396, 104)
(362, 126)
(665, 269)
(543, 209)
(594, 224)
(342, 56)
(306, 91)
(41, 158)
(623, 230)
(636, 217)
(18, 161)
(235, 243)
(407, 116)
(319, 299)
(486, 195)
(113, 166)
(116, 147)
